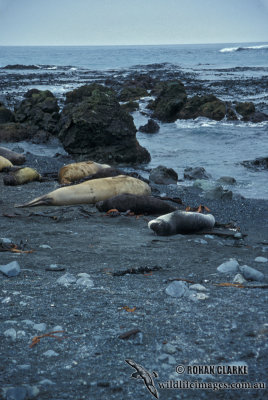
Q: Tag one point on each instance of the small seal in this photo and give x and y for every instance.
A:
(90, 192)
(5, 163)
(138, 204)
(12, 156)
(181, 222)
(75, 172)
(20, 176)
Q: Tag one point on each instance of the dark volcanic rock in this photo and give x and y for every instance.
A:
(39, 109)
(93, 125)
(21, 66)
(132, 93)
(5, 114)
(196, 173)
(131, 106)
(258, 163)
(150, 127)
(208, 106)
(169, 102)
(14, 132)
(163, 176)
(249, 113)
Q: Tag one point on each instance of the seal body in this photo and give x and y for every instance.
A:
(75, 172)
(12, 156)
(181, 222)
(104, 173)
(21, 176)
(90, 192)
(137, 204)
(5, 163)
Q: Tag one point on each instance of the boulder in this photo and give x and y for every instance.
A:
(163, 176)
(40, 110)
(208, 106)
(93, 125)
(196, 173)
(228, 180)
(257, 164)
(249, 113)
(15, 132)
(130, 107)
(5, 114)
(150, 127)
(169, 102)
(132, 93)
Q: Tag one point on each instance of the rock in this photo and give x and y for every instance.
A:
(198, 287)
(245, 109)
(227, 267)
(6, 115)
(239, 279)
(257, 164)
(40, 110)
(16, 393)
(204, 184)
(46, 382)
(40, 327)
(169, 102)
(196, 173)
(130, 107)
(177, 289)
(131, 93)
(10, 334)
(10, 270)
(150, 127)
(28, 322)
(169, 349)
(238, 235)
(66, 279)
(163, 176)
(208, 106)
(251, 274)
(15, 132)
(50, 353)
(218, 193)
(85, 282)
(32, 391)
(261, 259)
(228, 180)
(200, 241)
(94, 126)
(83, 275)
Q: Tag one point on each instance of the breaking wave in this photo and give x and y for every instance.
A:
(202, 122)
(232, 49)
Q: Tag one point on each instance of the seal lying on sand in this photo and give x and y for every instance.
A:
(181, 222)
(137, 204)
(15, 158)
(104, 173)
(90, 192)
(77, 171)
(5, 163)
(20, 176)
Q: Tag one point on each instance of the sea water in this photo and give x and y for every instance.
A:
(219, 147)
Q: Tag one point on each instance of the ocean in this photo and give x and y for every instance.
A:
(233, 72)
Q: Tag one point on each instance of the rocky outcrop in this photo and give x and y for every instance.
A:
(169, 102)
(93, 125)
(249, 114)
(257, 164)
(14, 132)
(131, 93)
(5, 114)
(40, 110)
(163, 176)
(150, 127)
(203, 106)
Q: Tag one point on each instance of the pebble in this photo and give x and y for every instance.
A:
(167, 358)
(24, 367)
(198, 287)
(57, 328)
(251, 274)
(201, 241)
(177, 289)
(198, 296)
(239, 279)
(66, 279)
(261, 259)
(45, 246)
(16, 393)
(5, 240)
(28, 322)
(21, 334)
(238, 235)
(32, 391)
(85, 282)
(50, 353)
(40, 327)
(169, 348)
(55, 267)
(228, 266)
(10, 333)
(209, 237)
(46, 382)
(10, 270)
(83, 275)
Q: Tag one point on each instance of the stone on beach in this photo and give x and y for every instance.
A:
(251, 274)
(227, 267)
(10, 270)
(163, 176)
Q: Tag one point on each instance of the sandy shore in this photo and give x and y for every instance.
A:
(130, 268)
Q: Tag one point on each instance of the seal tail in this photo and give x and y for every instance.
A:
(39, 201)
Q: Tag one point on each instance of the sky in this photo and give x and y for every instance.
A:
(132, 22)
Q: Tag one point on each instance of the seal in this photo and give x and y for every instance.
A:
(12, 156)
(5, 163)
(104, 173)
(181, 222)
(20, 176)
(77, 171)
(90, 192)
(137, 204)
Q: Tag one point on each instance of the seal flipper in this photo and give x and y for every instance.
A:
(39, 201)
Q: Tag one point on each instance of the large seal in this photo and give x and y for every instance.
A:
(90, 192)
(75, 172)
(15, 158)
(137, 204)
(5, 163)
(181, 222)
(20, 176)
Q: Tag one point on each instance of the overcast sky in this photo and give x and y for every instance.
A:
(114, 22)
